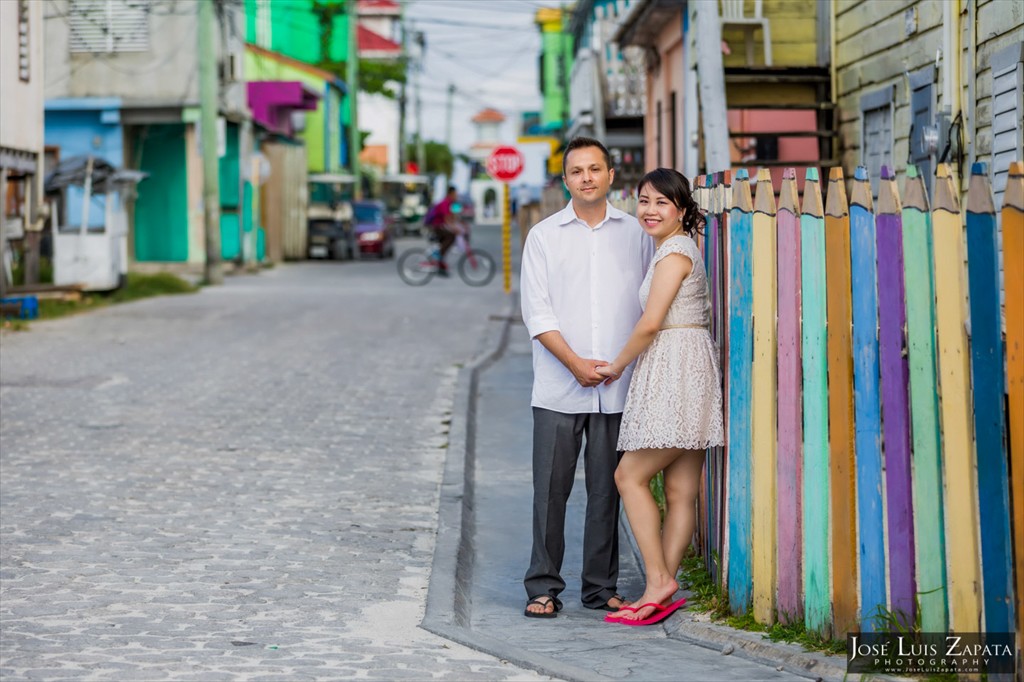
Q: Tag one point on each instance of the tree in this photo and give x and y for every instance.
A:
(375, 77)
(438, 157)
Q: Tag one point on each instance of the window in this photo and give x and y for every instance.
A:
(24, 52)
(657, 132)
(104, 26)
(673, 115)
(876, 134)
(766, 148)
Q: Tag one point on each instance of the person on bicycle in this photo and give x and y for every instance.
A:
(443, 219)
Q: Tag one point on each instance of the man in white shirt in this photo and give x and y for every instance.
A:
(581, 274)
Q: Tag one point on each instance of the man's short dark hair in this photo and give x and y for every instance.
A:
(580, 143)
(451, 190)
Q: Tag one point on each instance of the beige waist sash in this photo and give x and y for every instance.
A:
(683, 326)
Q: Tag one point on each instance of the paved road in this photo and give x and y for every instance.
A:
(239, 484)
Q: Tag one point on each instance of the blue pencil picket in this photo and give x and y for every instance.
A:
(866, 407)
(989, 424)
(741, 350)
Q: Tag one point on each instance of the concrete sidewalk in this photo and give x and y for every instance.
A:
(476, 594)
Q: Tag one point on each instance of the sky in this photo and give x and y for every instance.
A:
(489, 50)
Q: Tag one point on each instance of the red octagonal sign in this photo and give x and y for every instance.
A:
(505, 164)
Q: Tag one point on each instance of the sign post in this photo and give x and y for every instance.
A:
(504, 165)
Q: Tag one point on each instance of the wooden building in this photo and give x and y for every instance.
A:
(922, 81)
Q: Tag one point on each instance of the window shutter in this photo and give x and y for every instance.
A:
(1006, 115)
(106, 26)
(1007, 135)
(876, 140)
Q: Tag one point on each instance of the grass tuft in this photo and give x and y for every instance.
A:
(137, 286)
(709, 598)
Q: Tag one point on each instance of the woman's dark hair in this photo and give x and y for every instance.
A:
(676, 187)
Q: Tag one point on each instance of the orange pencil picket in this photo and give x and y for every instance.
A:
(840, 407)
(1013, 286)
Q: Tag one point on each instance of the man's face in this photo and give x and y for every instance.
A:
(587, 175)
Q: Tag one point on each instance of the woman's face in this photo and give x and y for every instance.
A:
(657, 214)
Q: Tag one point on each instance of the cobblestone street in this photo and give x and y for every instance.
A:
(239, 484)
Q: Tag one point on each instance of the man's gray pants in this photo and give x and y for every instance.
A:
(557, 439)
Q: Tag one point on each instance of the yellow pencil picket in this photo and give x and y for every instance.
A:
(763, 406)
(955, 388)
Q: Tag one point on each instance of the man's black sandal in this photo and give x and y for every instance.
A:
(608, 607)
(543, 600)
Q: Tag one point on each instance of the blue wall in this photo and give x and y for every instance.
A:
(85, 126)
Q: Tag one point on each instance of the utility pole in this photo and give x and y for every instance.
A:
(208, 101)
(448, 116)
(421, 156)
(352, 76)
(402, 151)
(711, 77)
(448, 131)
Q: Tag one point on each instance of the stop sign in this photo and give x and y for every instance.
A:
(505, 164)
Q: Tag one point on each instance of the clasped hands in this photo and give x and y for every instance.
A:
(590, 373)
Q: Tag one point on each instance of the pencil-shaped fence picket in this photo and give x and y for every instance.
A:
(872, 470)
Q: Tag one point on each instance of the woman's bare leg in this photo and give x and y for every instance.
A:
(633, 478)
(682, 484)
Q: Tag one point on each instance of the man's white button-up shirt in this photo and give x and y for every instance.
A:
(583, 282)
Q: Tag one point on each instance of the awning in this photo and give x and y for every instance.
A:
(272, 103)
(105, 176)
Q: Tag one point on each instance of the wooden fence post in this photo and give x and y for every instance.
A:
(720, 332)
(954, 381)
(1013, 285)
(840, 407)
(867, 417)
(763, 406)
(892, 318)
(740, 355)
(712, 201)
(817, 606)
(989, 423)
(790, 605)
(929, 524)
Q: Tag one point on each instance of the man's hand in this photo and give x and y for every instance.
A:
(585, 371)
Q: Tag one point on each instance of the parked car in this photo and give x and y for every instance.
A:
(373, 229)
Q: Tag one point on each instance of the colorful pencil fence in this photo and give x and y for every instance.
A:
(873, 469)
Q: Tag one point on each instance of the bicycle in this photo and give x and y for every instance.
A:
(418, 266)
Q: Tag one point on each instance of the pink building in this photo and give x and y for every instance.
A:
(779, 106)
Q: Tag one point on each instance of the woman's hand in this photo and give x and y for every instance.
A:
(607, 371)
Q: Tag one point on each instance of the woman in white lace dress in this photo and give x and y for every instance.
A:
(674, 406)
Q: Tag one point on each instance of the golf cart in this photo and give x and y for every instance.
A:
(329, 216)
(407, 198)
